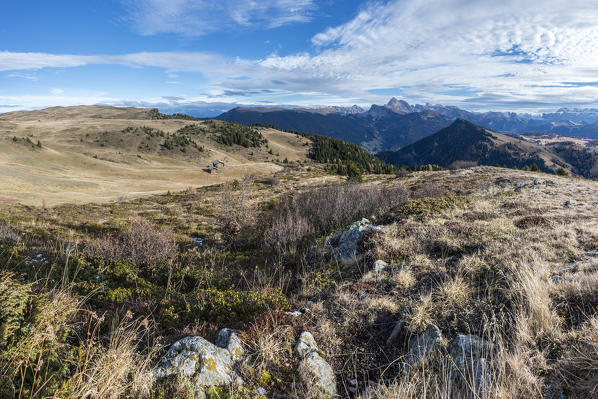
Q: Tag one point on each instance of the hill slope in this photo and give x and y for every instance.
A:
(464, 141)
(97, 154)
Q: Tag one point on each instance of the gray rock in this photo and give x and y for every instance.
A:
(314, 371)
(261, 391)
(380, 266)
(346, 249)
(421, 345)
(395, 332)
(571, 267)
(466, 349)
(229, 340)
(481, 377)
(306, 344)
(203, 363)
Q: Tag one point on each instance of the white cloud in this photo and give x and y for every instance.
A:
(198, 17)
(482, 54)
(57, 92)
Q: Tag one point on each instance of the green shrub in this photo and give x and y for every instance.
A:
(562, 171)
(232, 306)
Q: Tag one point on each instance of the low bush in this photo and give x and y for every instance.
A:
(142, 245)
(306, 215)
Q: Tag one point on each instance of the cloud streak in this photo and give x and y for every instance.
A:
(199, 17)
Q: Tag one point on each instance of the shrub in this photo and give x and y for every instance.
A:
(142, 245)
(527, 222)
(233, 307)
(34, 332)
(562, 171)
(306, 215)
(8, 234)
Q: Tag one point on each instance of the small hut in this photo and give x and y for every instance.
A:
(218, 164)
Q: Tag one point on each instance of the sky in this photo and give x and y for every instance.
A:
(207, 56)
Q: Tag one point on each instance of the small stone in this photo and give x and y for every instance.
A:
(261, 391)
(380, 265)
(296, 313)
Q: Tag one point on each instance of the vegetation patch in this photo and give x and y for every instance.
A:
(528, 222)
(230, 133)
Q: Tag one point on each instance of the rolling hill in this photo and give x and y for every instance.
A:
(91, 153)
(97, 153)
(464, 141)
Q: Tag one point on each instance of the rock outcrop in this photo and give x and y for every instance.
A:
(314, 371)
(345, 242)
(203, 363)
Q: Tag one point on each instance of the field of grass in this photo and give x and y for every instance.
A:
(86, 155)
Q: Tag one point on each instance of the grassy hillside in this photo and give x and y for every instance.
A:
(90, 154)
(101, 291)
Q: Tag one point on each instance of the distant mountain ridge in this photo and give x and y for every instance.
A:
(397, 124)
(464, 143)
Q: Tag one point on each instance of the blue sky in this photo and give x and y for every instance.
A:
(209, 56)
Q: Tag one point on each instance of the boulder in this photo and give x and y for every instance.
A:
(202, 363)
(421, 345)
(345, 242)
(314, 371)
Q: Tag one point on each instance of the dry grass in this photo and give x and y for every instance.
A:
(73, 168)
(118, 369)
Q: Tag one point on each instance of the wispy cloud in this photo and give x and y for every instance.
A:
(481, 54)
(17, 75)
(198, 17)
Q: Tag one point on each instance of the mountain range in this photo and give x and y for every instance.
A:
(397, 124)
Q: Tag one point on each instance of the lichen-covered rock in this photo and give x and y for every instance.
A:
(229, 340)
(346, 240)
(313, 369)
(306, 344)
(203, 363)
(421, 345)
